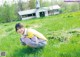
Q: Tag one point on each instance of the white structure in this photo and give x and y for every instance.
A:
(33, 13)
(27, 14)
(54, 9)
(39, 12)
(37, 4)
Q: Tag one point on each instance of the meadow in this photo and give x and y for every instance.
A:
(62, 32)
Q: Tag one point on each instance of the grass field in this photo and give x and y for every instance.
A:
(60, 30)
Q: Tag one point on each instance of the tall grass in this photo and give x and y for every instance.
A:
(54, 28)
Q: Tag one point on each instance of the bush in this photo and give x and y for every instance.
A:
(8, 13)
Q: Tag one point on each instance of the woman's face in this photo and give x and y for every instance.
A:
(20, 31)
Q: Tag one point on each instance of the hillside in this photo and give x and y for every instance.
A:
(62, 31)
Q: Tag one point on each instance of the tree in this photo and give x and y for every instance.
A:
(20, 5)
(45, 3)
(32, 4)
(6, 12)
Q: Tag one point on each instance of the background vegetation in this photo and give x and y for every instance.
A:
(9, 13)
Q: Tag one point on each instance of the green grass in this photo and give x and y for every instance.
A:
(55, 28)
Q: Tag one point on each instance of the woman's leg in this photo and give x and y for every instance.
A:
(42, 43)
(29, 41)
(32, 42)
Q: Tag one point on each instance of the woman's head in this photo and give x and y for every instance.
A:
(19, 28)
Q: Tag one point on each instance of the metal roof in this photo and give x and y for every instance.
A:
(27, 12)
(54, 7)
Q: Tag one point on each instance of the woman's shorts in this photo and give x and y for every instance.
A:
(32, 42)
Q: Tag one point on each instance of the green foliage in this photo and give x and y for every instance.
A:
(69, 7)
(8, 13)
(45, 3)
(32, 4)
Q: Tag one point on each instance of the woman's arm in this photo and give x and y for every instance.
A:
(38, 34)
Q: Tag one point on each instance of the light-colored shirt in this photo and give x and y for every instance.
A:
(30, 33)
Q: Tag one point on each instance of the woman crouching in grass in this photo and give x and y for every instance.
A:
(30, 37)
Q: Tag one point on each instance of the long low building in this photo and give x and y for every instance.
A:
(41, 12)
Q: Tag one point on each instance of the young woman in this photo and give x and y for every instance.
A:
(30, 37)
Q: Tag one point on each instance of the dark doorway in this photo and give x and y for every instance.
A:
(42, 14)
